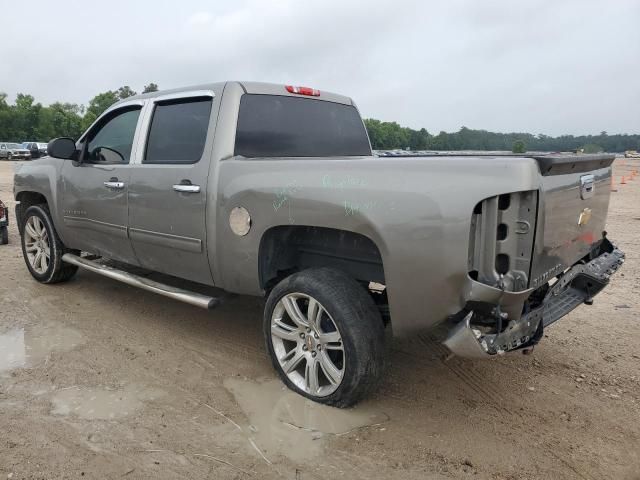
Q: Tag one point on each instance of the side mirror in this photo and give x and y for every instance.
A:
(63, 147)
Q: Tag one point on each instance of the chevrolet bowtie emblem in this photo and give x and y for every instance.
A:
(584, 217)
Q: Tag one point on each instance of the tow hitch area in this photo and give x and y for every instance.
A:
(490, 332)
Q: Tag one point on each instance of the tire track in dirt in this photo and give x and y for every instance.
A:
(161, 319)
(473, 380)
(470, 378)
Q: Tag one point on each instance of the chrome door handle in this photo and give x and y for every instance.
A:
(114, 185)
(186, 188)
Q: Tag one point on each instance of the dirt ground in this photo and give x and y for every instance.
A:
(100, 380)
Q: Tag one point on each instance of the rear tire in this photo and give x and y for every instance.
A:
(42, 248)
(330, 348)
(4, 236)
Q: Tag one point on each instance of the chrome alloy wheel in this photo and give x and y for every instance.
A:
(307, 344)
(36, 244)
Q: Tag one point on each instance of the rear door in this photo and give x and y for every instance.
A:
(94, 190)
(168, 193)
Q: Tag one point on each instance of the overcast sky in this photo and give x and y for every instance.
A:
(539, 66)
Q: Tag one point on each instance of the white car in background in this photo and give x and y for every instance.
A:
(13, 151)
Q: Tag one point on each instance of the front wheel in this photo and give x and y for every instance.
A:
(42, 248)
(325, 336)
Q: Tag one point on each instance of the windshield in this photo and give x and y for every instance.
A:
(280, 126)
(13, 145)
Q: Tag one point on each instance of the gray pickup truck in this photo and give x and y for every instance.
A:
(272, 190)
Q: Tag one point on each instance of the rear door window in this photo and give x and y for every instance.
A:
(281, 126)
(178, 131)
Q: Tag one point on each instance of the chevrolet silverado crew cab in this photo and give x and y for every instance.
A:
(272, 190)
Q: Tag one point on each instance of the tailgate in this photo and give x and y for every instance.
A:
(573, 204)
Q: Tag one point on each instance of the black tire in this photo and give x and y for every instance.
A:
(358, 321)
(57, 271)
(4, 235)
(9, 156)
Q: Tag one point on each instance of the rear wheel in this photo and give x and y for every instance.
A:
(4, 235)
(325, 336)
(42, 248)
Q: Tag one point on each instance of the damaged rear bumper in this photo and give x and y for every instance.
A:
(577, 285)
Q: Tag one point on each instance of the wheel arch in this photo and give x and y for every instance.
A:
(25, 200)
(286, 249)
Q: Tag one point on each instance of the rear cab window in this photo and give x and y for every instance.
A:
(282, 126)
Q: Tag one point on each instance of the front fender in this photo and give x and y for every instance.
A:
(41, 177)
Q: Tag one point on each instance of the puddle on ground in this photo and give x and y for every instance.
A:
(24, 347)
(285, 423)
(101, 403)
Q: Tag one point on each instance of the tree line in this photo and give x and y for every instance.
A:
(390, 135)
(27, 120)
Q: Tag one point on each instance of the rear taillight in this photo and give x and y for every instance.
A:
(311, 92)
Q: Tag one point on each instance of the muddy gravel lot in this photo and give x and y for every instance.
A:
(100, 380)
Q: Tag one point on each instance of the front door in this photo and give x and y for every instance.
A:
(94, 197)
(168, 192)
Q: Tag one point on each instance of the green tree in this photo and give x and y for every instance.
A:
(519, 147)
(24, 118)
(97, 105)
(419, 139)
(152, 87)
(5, 118)
(60, 120)
(387, 135)
(102, 101)
(125, 92)
(591, 148)
(440, 142)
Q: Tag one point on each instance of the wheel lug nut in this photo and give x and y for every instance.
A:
(313, 354)
(304, 347)
(302, 335)
(308, 330)
(315, 335)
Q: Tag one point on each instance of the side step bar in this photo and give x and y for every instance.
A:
(193, 298)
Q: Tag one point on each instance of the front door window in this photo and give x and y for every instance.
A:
(111, 142)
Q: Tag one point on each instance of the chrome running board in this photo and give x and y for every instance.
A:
(192, 298)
